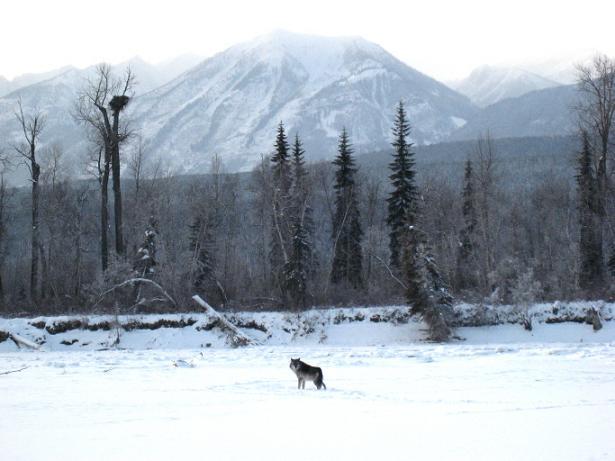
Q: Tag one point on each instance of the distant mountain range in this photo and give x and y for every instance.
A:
(547, 112)
(150, 75)
(231, 103)
(488, 85)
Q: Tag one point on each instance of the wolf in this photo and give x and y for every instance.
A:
(307, 372)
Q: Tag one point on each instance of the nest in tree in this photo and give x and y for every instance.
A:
(117, 103)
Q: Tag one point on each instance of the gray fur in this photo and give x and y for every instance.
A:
(307, 372)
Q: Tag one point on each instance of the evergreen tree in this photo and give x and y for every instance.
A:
(281, 206)
(467, 234)
(296, 269)
(146, 254)
(402, 201)
(298, 168)
(611, 262)
(202, 256)
(347, 232)
(301, 196)
(591, 269)
(281, 163)
(300, 261)
(426, 290)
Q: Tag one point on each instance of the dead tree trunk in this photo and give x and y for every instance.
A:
(117, 188)
(236, 337)
(32, 127)
(104, 210)
(102, 94)
(117, 104)
(36, 171)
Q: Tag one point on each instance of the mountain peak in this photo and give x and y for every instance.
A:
(285, 37)
(232, 102)
(487, 84)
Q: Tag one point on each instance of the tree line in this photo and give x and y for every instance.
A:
(291, 235)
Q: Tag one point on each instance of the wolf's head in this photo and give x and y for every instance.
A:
(295, 364)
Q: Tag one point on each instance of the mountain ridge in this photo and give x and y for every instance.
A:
(487, 85)
(231, 103)
(316, 85)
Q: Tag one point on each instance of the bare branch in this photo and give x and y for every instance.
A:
(13, 371)
(135, 281)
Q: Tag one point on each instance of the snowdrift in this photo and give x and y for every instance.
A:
(358, 326)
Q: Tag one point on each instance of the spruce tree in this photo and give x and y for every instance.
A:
(426, 290)
(145, 259)
(402, 201)
(281, 163)
(611, 262)
(591, 270)
(467, 234)
(301, 196)
(300, 262)
(296, 269)
(298, 168)
(347, 233)
(281, 206)
(146, 255)
(202, 254)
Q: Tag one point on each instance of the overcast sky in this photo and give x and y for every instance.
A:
(445, 39)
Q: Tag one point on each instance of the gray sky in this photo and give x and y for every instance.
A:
(443, 38)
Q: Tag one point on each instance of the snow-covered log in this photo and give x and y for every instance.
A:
(21, 341)
(236, 337)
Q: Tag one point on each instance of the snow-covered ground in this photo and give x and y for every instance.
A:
(503, 393)
(477, 402)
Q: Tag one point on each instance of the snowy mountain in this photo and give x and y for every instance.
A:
(487, 85)
(232, 102)
(151, 76)
(56, 96)
(561, 69)
(8, 86)
(545, 112)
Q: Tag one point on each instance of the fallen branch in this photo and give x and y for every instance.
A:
(237, 338)
(134, 282)
(12, 371)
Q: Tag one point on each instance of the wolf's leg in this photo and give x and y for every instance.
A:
(298, 383)
(303, 384)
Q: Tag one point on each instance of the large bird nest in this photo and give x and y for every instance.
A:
(118, 103)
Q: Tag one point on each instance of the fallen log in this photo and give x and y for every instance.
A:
(235, 336)
(21, 341)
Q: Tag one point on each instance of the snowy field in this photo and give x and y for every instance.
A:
(464, 401)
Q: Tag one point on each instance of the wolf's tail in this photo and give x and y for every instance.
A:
(323, 385)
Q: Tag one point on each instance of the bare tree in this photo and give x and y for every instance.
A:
(99, 106)
(4, 196)
(486, 185)
(32, 126)
(136, 165)
(596, 114)
(596, 111)
(102, 166)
